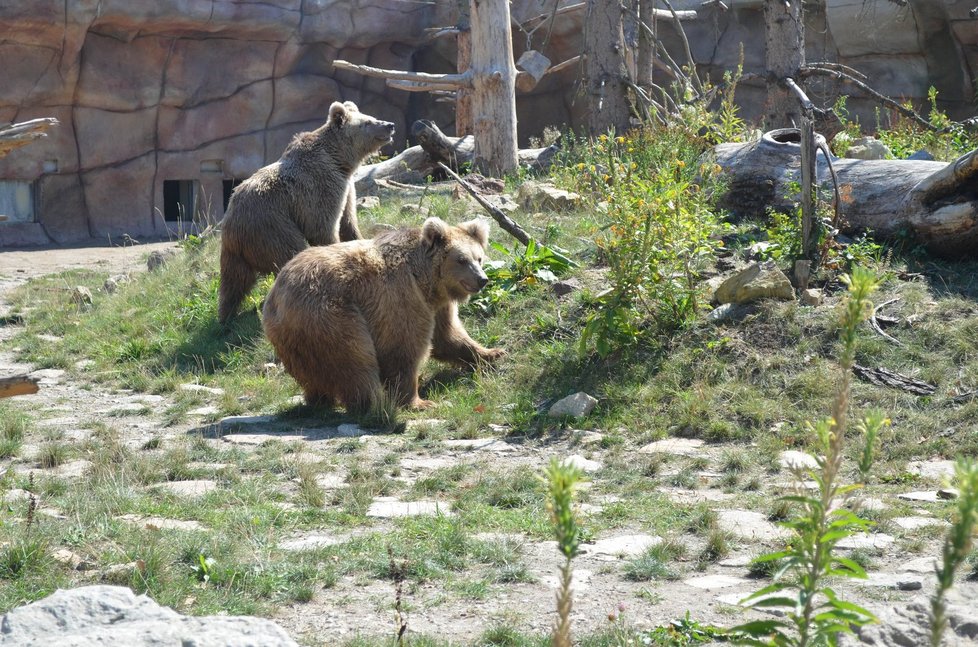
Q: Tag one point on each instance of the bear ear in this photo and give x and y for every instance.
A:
(338, 114)
(478, 229)
(434, 232)
(351, 107)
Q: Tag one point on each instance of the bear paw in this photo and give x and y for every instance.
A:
(419, 403)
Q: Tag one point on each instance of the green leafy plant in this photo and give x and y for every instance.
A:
(561, 480)
(957, 544)
(812, 611)
(522, 267)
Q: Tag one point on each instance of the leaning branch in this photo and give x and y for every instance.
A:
(463, 80)
(817, 68)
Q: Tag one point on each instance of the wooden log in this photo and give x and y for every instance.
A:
(17, 385)
(416, 163)
(13, 136)
(933, 200)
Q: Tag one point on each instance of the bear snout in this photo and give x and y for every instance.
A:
(385, 131)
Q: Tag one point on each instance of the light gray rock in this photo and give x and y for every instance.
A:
(479, 445)
(757, 281)
(908, 625)
(623, 546)
(368, 202)
(811, 297)
(795, 460)
(160, 523)
(925, 497)
(577, 405)
(103, 616)
(537, 196)
(677, 446)
(875, 541)
(200, 388)
(391, 507)
(189, 489)
(310, 542)
(868, 148)
(581, 463)
(726, 312)
(714, 582)
(934, 470)
(915, 523)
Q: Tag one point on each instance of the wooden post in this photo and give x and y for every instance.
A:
(494, 85)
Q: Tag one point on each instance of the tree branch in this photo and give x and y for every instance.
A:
(463, 80)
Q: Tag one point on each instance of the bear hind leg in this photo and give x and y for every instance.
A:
(237, 279)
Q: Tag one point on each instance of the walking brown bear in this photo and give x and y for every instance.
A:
(305, 198)
(354, 321)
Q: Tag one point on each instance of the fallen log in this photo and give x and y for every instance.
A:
(13, 136)
(935, 201)
(17, 385)
(416, 163)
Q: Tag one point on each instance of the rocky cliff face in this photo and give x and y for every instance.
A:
(163, 104)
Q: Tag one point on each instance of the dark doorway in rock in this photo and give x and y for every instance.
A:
(179, 200)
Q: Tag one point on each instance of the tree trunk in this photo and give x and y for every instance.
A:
(933, 200)
(646, 45)
(604, 67)
(494, 88)
(463, 96)
(784, 31)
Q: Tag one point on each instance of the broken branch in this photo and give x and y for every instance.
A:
(463, 80)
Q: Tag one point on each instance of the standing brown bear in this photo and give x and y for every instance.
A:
(305, 198)
(353, 321)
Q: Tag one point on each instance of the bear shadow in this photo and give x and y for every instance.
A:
(208, 348)
(298, 422)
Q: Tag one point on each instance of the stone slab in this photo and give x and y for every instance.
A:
(391, 508)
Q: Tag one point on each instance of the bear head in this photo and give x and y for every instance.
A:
(355, 134)
(457, 255)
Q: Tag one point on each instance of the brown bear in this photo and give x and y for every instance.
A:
(353, 321)
(305, 198)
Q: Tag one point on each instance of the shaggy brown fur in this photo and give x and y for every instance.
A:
(355, 320)
(305, 198)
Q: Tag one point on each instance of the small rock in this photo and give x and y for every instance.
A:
(915, 523)
(129, 409)
(368, 202)
(577, 405)
(84, 364)
(758, 250)
(795, 460)
(737, 561)
(349, 430)
(245, 421)
(935, 470)
(51, 339)
(811, 297)
(909, 585)
(624, 546)
(120, 573)
(921, 566)
(582, 463)
(15, 496)
(750, 525)
(312, 542)
(110, 285)
(539, 196)
(391, 507)
(726, 312)
(81, 296)
(479, 444)
(160, 523)
(580, 580)
(200, 388)
(865, 540)
(190, 489)
(260, 439)
(565, 287)
(922, 155)
(713, 582)
(868, 148)
(758, 281)
(67, 558)
(677, 446)
(948, 493)
(158, 259)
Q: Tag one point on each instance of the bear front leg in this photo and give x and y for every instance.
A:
(349, 228)
(451, 343)
(399, 373)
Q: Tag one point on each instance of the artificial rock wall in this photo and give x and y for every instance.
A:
(155, 96)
